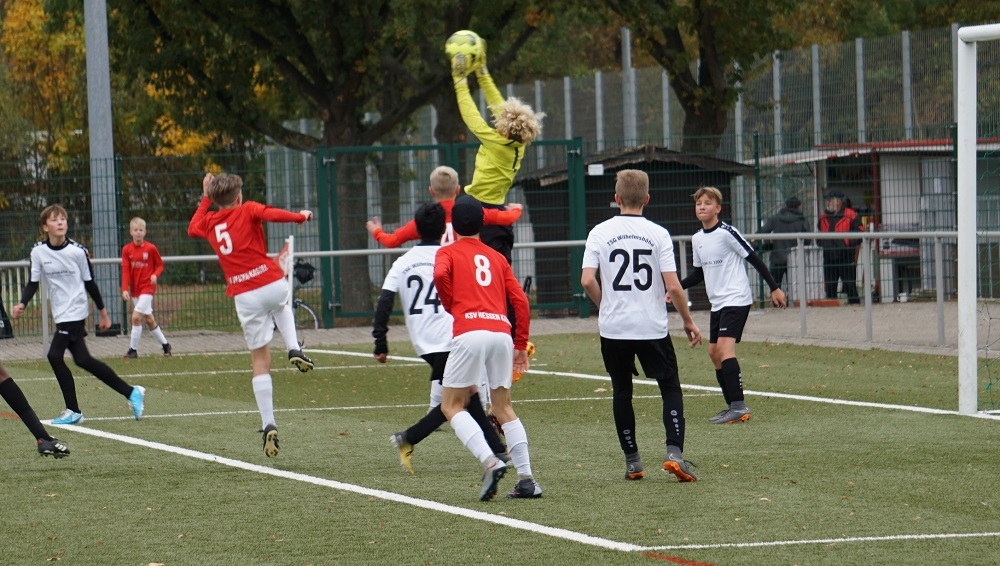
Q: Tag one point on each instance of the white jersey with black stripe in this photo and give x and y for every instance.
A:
(631, 253)
(412, 278)
(66, 267)
(720, 252)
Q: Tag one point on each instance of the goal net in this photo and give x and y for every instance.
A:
(977, 178)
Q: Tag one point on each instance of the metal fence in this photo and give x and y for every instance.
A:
(203, 306)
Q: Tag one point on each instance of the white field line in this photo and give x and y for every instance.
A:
(220, 372)
(352, 408)
(914, 409)
(380, 494)
(498, 519)
(821, 541)
(555, 532)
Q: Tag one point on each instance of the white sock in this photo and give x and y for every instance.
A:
(436, 389)
(286, 326)
(517, 447)
(263, 391)
(158, 334)
(471, 435)
(133, 341)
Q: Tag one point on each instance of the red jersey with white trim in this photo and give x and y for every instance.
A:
(237, 236)
(408, 232)
(474, 283)
(139, 264)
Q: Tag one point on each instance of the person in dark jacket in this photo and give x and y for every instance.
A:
(839, 255)
(788, 220)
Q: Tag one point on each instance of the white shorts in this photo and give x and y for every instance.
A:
(143, 304)
(256, 310)
(476, 351)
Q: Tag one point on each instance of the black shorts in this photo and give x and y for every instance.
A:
(656, 357)
(70, 332)
(437, 361)
(728, 322)
(500, 238)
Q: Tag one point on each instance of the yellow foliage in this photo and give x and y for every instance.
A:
(178, 141)
(47, 71)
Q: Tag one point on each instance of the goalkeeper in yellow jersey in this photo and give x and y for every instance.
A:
(499, 157)
(500, 153)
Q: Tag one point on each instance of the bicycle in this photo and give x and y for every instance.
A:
(305, 316)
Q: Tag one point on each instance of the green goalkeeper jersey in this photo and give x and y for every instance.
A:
(498, 158)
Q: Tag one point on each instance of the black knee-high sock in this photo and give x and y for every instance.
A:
(14, 397)
(65, 379)
(722, 385)
(475, 408)
(733, 378)
(82, 358)
(425, 426)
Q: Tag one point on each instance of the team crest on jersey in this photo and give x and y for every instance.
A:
(145, 256)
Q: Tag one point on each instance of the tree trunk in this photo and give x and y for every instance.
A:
(351, 211)
(703, 127)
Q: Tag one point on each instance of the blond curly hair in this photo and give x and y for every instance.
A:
(516, 120)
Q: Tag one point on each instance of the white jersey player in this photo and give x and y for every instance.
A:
(718, 251)
(430, 328)
(634, 259)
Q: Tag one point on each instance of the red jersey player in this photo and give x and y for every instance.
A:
(141, 268)
(475, 283)
(253, 279)
(444, 188)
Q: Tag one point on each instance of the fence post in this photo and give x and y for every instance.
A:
(665, 101)
(776, 104)
(628, 90)
(327, 217)
(907, 88)
(540, 150)
(859, 73)
(568, 106)
(599, 111)
(817, 106)
(577, 219)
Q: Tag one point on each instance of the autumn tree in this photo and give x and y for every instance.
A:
(707, 47)
(360, 68)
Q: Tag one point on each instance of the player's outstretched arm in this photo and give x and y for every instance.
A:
(490, 90)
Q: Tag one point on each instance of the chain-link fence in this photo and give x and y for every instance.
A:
(893, 188)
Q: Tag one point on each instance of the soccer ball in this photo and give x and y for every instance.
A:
(466, 51)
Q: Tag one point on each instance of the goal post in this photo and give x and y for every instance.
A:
(968, 272)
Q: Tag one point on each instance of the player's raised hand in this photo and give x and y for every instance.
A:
(373, 224)
(778, 298)
(205, 183)
(308, 214)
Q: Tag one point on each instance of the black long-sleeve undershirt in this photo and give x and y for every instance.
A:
(698, 275)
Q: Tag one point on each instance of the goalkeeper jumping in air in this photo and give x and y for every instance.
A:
(502, 151)
(499, 157)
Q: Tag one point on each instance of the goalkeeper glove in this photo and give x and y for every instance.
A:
(531, 352)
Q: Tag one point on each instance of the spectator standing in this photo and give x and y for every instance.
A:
(839, 255)
(788, 220)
